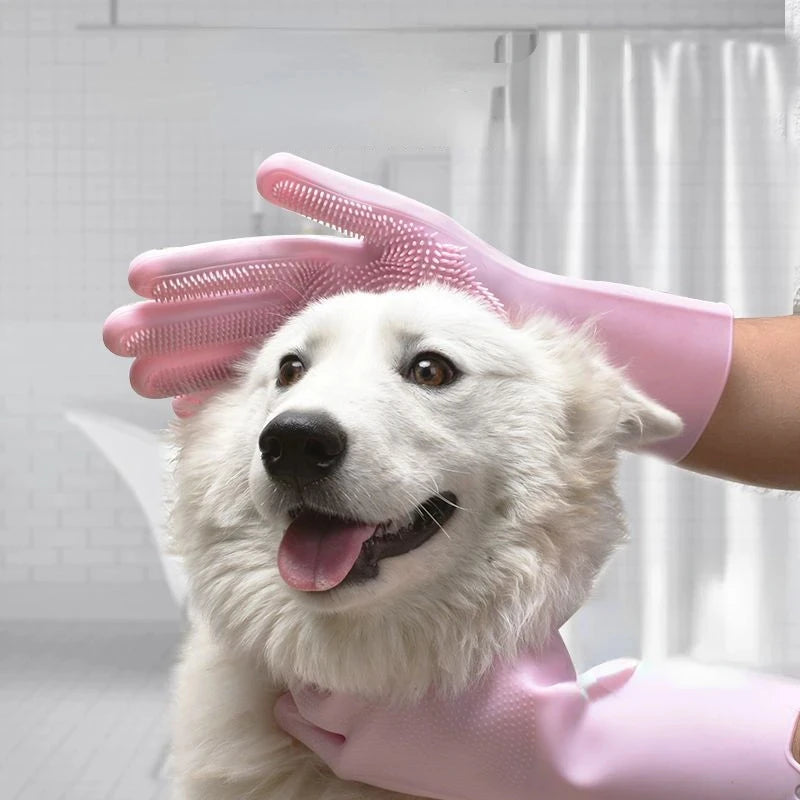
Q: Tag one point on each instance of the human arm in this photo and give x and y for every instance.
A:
(753, 435)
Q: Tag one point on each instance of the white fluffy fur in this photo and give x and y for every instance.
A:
(527, 438)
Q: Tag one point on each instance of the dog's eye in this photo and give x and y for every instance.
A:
(431, 369)
(290, 371)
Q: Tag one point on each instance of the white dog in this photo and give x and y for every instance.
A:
(397, 490)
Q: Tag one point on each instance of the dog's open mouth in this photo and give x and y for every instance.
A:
(318, 551)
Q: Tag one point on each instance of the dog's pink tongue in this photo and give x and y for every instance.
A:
(317, 552)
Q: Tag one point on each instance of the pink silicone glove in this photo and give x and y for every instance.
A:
(208, 303)
(530, 731)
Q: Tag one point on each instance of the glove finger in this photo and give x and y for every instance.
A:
(416, 243)
(214, 269)
(188, 372)
(347, 204)
(325, 744)
(186, 405)
(149, 328)
(335, 712)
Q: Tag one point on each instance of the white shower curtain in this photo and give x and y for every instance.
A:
(662, 162)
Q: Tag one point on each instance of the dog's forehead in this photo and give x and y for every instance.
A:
(427, 311)
(390, 327)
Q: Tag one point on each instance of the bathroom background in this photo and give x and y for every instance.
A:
(649, 143)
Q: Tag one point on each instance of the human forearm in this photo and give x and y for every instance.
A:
(754, 434)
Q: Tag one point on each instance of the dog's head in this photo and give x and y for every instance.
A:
(401, 486)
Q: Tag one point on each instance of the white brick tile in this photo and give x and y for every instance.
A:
(32, 557)
(120, 573)
(42, 161)
(97, 216)
(16, 501)
(83, 480)
(49, 424)
(45, 445)
(87, 555)
(45, 471)
(69, 161)
(60, 573)
(87, 517)
(27, 479)
(15, 537)
(19, 448)
(71, 500)
(60, 537)
(105, 499)
(15, 424)
(31, 518)
(118, 537)
(14, 20)
(138, 555)
(14, 574)
(18, 404)
(129, 519)
(96, 49)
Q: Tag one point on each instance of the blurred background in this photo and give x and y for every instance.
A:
(649, 143)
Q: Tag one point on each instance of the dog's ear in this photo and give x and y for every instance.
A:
(604, 405)
(607, 409)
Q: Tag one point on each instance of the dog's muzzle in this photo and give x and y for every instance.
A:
(322, 549)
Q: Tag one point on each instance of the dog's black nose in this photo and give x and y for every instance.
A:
(302, 446)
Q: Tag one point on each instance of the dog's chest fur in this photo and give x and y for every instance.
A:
(226, 744)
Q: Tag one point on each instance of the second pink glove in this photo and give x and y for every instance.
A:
(531, 731)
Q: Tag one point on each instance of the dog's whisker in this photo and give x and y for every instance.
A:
(425, 510)
(440, 496)
(454, 471)
(455, 505)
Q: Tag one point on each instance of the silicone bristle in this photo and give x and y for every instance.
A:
(229, 279)
(203, 315)
(350, 217)
(237, 326)
(168, 376)
(413, 254)
(176, 381)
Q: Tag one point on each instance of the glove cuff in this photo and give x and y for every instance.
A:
(689, 731)
(675, 349)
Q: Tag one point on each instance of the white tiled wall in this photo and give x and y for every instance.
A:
(112, 143)
(72, 540)
(115, 142)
